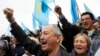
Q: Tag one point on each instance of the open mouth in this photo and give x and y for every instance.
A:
(85, 24)
(79, 48)
(44, 45)
(43, 42)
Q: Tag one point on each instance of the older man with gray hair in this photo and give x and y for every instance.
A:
(50, 39)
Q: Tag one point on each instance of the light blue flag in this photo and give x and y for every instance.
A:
(48, 1)
(41, 13)
(86, 8)
(74, 11)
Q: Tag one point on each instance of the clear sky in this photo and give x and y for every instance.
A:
(23, 10)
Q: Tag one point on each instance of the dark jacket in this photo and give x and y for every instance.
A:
(30, 45)
(95, 41)
(18, 50)
(73, 53)
(68, 31)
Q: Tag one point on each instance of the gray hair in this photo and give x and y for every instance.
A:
(56, 30)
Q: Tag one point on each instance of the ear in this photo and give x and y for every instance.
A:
(59, 38)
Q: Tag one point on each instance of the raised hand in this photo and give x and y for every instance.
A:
(9, 14)
(58, 10)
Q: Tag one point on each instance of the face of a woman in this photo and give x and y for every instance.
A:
(80, 45)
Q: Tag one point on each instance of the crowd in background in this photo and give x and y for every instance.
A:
(67, 39)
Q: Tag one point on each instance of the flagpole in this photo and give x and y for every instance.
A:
(78, 9)
(53, 12)
(79, 12)
(52, 9)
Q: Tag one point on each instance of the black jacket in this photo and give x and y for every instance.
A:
(68, 31)
(30, 45)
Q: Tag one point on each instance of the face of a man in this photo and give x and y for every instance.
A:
(48, 39)
(80, 45)
(97, 25)
(86, 21)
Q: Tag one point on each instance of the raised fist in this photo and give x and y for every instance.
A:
(58, 10)
(9, 14)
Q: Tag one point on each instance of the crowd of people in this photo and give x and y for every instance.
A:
(54, 39)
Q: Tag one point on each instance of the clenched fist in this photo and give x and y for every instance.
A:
(58, 10)
(9, 14)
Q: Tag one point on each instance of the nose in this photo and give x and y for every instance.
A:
(84, 20)
(78, 43)
(42, 37)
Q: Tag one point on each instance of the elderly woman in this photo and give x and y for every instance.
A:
(81, 45)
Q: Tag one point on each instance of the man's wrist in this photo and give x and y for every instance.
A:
(12, 20)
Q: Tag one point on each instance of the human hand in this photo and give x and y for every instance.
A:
(9, 14)
(58, 10)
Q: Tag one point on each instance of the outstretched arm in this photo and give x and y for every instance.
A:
(16, 29)
(19, 34)
(68, 30)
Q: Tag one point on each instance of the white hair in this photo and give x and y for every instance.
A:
(56, 30)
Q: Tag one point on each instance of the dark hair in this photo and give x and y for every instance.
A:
(6, 38)
(97, 20)
(90, 14)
